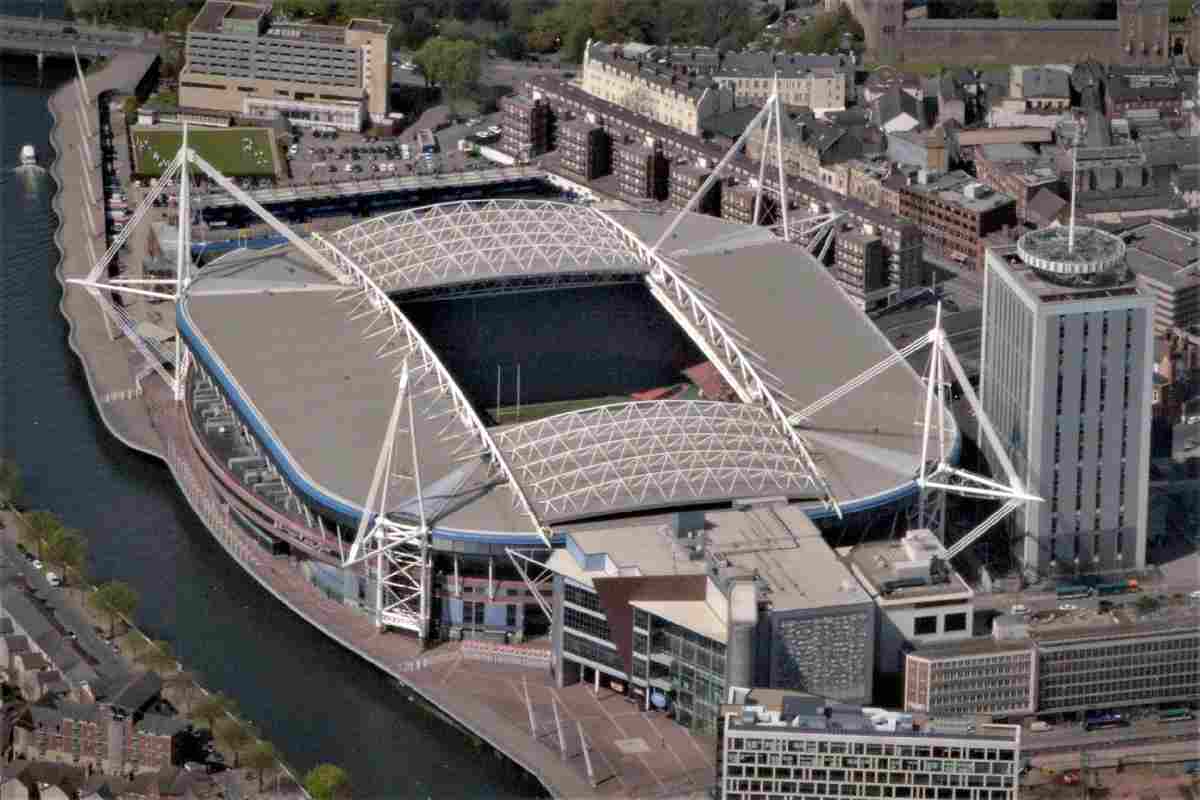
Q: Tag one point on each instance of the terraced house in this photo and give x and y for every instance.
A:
(633, 80)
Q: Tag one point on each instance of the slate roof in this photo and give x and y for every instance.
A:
(161, 725)
(26, 616)
(1044, 206)
(893, 103)
(137, 691)
(53, 715)
(16, 644)
(730, 124)
(1043, 82)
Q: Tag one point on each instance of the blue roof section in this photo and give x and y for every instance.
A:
(314, 494)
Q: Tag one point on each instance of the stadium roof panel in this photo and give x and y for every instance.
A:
(813, 341)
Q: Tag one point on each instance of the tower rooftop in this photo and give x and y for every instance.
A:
(1052, 252)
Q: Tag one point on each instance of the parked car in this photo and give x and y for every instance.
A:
(1018, 609)
(53, 579)
(1067, 607)
(36, 564)
(1039, 725)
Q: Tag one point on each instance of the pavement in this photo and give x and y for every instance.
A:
(110, 366)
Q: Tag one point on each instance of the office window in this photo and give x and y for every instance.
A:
(956, 622)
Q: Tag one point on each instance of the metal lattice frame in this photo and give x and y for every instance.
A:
(632, 455)
(428, 378)
(398, 550)
(468, 241)
(937, 474)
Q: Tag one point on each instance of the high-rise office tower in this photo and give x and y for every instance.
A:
(1066, 380)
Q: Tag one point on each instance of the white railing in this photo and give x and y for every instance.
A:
(507, 654)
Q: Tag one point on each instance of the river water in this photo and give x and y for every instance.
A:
(315, 701)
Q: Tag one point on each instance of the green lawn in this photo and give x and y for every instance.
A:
(224, 148)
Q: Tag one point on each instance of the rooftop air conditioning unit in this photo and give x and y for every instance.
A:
(977, 191)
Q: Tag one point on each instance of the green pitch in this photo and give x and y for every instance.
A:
(236, 152)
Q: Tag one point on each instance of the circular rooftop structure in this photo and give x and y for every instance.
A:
(1093, 253)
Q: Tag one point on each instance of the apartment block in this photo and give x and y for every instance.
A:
(642, 171)
(820, 83)
(525, 126)
(240, 60)
(738, 204)
(860, 267)
(777, 746)
(89, 735)
(639, 84)
(902, 239)
(955, 214)
(686, 180)
(586, 149)
(1066, 380)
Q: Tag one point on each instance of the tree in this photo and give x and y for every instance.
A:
(158, 657)
(234, 736)
(184, 683)
(510, 44)
(10, 482)
(42, 526)
(261, 756)
(66, 550)
(1025, 9)
(116, 600)
(1147, 604)
(825, 33)
(520, 17)
(452, 64)
(451, 28)
(212, 707)
(327, 782)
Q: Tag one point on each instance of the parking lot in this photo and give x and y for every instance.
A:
(318, 158)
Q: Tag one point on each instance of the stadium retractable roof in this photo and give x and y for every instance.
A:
(454, 243)
(629, 456)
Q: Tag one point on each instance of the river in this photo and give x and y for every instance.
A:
(315, 701)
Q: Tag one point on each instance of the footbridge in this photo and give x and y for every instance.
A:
(56, 37)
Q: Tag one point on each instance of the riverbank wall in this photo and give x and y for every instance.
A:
(147, 422)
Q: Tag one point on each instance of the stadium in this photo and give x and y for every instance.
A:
(452, 397)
